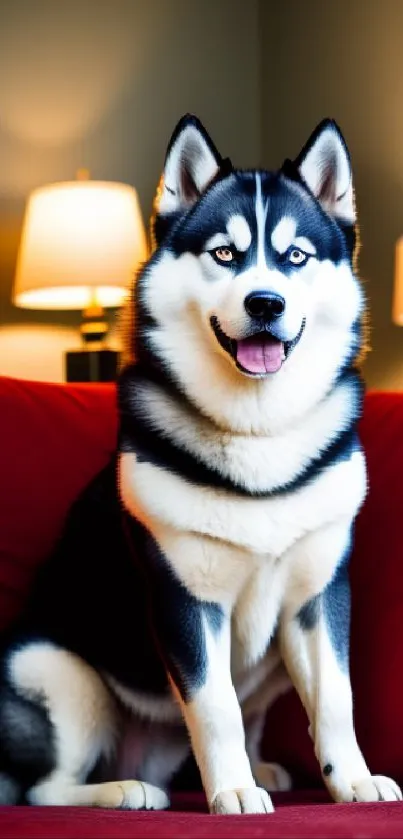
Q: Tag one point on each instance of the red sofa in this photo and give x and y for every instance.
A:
(53, 439)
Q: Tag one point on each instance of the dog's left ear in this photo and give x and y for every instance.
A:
(324, 164)
(191, 163)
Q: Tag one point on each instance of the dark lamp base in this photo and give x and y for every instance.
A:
(91, 365)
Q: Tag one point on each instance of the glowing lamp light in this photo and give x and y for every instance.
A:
(397, 310)
(82, 242)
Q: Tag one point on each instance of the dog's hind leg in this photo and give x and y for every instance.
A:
(125, 795)
(167, 749)
(270, 776)
(314, 634)
(80, 727)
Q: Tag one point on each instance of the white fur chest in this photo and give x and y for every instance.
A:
(166, 503)
(225, 548)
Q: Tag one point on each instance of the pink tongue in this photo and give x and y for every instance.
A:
(260, 354)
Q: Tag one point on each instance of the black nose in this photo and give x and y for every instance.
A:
(264, 304)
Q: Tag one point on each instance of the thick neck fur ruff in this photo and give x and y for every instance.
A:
(260, 461)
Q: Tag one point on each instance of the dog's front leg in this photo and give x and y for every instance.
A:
(314, 638)
(198, 661)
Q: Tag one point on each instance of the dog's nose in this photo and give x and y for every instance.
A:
(264, 304)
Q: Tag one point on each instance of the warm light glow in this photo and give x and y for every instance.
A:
(397, 315)
(78, 297)
(82, 242)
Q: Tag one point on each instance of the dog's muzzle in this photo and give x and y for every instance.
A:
(263, 350)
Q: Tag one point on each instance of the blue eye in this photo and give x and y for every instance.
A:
(296, 256)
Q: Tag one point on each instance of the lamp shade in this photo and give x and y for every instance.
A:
(81, 244)
(397, 312)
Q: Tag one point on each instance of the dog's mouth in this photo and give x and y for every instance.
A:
(258, 354)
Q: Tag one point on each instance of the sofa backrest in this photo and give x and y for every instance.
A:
(54, 438)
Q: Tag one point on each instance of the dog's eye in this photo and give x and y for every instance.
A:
(296, 256)
(224, 254)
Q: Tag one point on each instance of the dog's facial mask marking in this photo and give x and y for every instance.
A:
(255, 267)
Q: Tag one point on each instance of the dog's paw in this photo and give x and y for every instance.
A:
(137, 795)
(368, 788)
(272, 777)
(376, 788)
(234, 801)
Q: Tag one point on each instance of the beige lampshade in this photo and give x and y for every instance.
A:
(397, 312)
(81, 243)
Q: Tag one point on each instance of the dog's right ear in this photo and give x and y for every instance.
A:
(191, 163)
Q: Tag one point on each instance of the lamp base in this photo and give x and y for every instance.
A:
(91, 365)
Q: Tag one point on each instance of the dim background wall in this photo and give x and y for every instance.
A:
(344, 58)
(101, 84)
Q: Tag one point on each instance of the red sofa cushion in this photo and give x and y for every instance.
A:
(54, 438)
(303, 815)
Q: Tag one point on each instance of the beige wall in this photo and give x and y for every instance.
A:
(344, 59)
(100, 84)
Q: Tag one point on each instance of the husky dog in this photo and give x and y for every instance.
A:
(210, 562)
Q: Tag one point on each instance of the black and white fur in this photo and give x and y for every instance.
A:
(224, 554)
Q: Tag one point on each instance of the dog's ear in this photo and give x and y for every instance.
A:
(191, 163)
(324, 165)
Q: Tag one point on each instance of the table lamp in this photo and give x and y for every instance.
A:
(81, 243)
(397, 309)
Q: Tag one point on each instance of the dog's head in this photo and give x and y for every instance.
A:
(248, 264)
